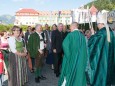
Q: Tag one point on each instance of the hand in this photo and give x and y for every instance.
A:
(50, 40)
(45, 45)
(23, 54)
(27, 57)
(54, 50)
(25, 50)
(92, 31)
(5, 72)
(41, 52)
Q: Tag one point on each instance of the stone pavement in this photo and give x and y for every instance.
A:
(52, 80)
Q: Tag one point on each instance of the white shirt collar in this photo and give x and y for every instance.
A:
(38, 33)
(20, 39)
(74, 30)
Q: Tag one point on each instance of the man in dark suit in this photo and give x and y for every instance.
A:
(29, 31)
(47, 33)
(65, 31)
(57, 39)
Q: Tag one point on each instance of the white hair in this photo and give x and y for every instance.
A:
(60, 24)
(37, 25)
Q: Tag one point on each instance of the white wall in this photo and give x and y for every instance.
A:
(53, 19)
(26, 20)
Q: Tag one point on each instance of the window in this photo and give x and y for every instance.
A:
(26, 22)
(60, 20)
(68, 20)
(63, 14)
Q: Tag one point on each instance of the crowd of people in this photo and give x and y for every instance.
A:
(77, 57)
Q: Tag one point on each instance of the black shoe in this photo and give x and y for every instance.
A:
(37, 80)
(57, 74)
(54, 72)
(43, 78)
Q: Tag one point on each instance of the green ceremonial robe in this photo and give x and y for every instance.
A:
(33, 45)
(102, 59)
(74, 60)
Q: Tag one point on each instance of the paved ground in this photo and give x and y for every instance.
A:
(47, 71)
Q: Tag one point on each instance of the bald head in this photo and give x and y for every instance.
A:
(73, 26)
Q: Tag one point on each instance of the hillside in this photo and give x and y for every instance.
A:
(7, 19)
(103, 4)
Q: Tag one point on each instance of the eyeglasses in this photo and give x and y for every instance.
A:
(16, 30)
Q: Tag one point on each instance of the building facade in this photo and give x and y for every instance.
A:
(32, 17)
(26, 17)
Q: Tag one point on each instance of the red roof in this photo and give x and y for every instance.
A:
(27, 11)
(93, 10)
(32, 12)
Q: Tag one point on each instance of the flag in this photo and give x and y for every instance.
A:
(59, 14)
(72, 15)
(84, 18)
(90, 20)
(79, 18)
(50, 17)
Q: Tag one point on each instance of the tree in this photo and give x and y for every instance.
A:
(103, 4)
(8, 27)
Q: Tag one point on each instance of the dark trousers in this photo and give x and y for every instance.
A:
(57, 62)
(33, 63)
(0, 79)
(38, 63)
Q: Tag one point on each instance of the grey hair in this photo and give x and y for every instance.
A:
(37, 25)
(60, 24)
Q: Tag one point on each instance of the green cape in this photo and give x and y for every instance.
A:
(102, 59)
(74, 60)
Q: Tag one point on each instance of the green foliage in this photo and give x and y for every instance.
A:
(103, 4)
(8, 27)
(4, 27)
(24, 27)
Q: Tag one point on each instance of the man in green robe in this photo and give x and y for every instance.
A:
(102, 55)
(75, 59)
(35, 48)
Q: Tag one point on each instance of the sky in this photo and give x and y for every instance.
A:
(11, 6)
